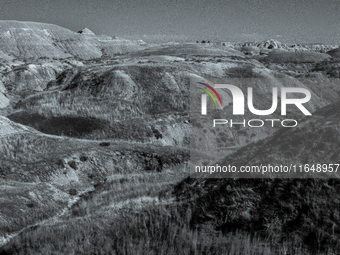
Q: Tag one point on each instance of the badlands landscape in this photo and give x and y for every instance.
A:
(94, 147)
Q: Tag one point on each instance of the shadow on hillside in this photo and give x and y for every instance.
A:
(63, 125)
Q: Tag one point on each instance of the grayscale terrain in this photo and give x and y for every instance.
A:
(94, 147)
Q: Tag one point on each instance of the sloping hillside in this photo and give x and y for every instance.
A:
(315, 141)
(296, 211)
(335, 53)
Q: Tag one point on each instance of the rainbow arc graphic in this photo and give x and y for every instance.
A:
(209, 93)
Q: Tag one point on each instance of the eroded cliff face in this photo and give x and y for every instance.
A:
(30, 77)
(37, 40)
(32, 54)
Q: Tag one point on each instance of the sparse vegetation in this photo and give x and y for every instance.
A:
(130, 214)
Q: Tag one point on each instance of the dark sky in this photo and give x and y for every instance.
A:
(222, 20)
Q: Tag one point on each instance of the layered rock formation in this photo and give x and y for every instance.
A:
(38, 40)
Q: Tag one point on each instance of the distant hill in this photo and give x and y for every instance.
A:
(181, 50)
(272, 44)
(37, 40)
(296, 57)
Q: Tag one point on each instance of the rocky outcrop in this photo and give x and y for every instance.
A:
(271, 44)
(86, 31)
